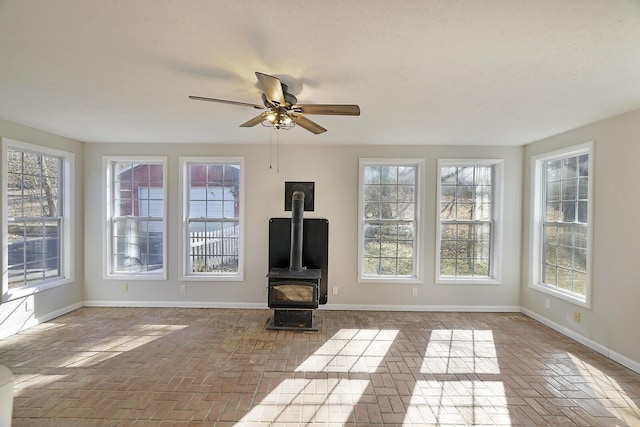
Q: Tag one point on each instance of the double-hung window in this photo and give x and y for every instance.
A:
(469, 226)
(389, 217)
(136, 217)
(36, 217)
(561, 228)
(212, 218)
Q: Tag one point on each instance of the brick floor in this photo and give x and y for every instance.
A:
(203, 367)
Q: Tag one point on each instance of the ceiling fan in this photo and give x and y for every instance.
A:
(282, 108)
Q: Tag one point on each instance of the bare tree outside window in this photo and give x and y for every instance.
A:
(390, 220)
(466, 221)
(34, 217)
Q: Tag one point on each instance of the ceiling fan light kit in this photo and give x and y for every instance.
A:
(282, 108)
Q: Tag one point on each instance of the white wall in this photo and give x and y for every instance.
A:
(610, 325)
(25, 312)
(334, 169)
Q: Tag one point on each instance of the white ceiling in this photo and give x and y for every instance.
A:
(500, 72)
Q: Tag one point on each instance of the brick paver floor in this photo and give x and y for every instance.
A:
(191, 367)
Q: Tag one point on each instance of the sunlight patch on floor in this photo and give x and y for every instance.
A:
(458, 403)
(302, 401)
(612, 399)
(460, 351)
(351, 350)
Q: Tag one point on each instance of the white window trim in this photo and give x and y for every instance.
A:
(67, 262)
(185, 275)
(418, 261)
(535, 229)
(108, 224)
(497, 208)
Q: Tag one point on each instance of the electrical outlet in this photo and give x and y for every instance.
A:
(547, 303)
(183, 289)
(125, 287)
(334, 291)
(414, 292)
(576, 316)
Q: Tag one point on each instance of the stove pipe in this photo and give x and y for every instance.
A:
(297, 212)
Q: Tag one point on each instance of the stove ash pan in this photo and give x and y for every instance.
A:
(294, 290)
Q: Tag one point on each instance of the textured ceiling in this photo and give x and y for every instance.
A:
(423, 71)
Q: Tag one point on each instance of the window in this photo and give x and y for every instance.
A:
(136, 212)
(561, 255)
(36, 194)
(389, 220)
(212, 218)
(469, 229)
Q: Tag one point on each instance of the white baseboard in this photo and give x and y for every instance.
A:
(442, 308)
(35, 321)
(335, 307)
(175, 304)
(605, 351)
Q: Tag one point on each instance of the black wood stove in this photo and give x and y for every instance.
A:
(297, 278)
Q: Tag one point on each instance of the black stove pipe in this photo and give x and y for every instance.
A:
(297, 213)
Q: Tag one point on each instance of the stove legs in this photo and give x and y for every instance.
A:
(298, 320)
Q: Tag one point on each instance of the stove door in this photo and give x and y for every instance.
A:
(293, 293)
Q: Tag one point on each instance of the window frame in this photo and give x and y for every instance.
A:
(417, 277)
(496, 250)
(185, 274)
(67, 233)
(107, 233)
(538, 207)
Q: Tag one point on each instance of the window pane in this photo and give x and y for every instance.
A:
(389, 193)
(213, 194)
(466, 175)
(372, 210)
(448, 175)
(371, 248)
(389, 174)
(406, 175)
(137, 217)
(466, 203)
(372, 175)
(564, 231)
(388, 267)
(388, 210)
(569, 190)
(389, 220)
(405, 267)
(372, 193)
(33, 210)
(371, 266)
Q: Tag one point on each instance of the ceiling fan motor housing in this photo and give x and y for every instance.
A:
(289, 99)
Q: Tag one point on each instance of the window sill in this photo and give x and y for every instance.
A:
(211, 278)
(467, 281)
(393, 280)
(134, 276)
(26, 291)
(580, 301)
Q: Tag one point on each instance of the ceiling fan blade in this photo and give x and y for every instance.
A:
(272, 88)
(252, 122)
(224, 101)
(307, 124)
(328, 109)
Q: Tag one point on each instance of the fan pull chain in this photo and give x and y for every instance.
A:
(271, 132)
(270, 149)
